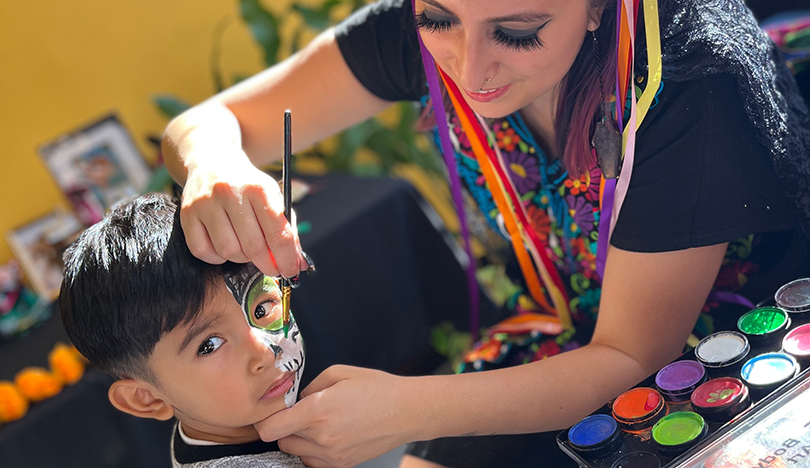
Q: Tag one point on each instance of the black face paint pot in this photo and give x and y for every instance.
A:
(722, 353)
(794, 298)
(637, 460)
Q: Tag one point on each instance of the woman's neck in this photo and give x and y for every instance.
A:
(540, 116)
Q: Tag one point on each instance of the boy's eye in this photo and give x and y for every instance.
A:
(209, 345)
(267, 315)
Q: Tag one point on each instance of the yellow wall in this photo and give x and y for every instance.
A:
(66, 63)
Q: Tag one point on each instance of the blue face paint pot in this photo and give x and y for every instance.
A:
(764, 373)
(597, 435)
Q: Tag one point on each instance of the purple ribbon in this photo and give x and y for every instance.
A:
(449, 153)
(604, 226)
(730, 298)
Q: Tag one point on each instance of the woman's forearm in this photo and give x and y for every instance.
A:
(542, 396)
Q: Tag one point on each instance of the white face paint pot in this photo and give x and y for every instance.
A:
(723, 353)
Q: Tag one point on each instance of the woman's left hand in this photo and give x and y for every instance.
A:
(346, 416)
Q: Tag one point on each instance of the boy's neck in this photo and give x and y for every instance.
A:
(229, 436)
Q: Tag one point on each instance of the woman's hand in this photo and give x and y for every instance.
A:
(346, 416)
(232, 211)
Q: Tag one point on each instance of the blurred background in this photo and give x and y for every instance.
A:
(87, 89)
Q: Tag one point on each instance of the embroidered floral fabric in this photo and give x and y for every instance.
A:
(565, 213)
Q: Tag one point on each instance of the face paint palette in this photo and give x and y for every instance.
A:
(739, 399)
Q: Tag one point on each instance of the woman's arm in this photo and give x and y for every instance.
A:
(650, 302)
(230, 209)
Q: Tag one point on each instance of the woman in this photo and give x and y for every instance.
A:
(704, 195)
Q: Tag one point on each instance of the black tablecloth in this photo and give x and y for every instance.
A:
(385, 275)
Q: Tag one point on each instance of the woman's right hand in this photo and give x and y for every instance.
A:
(235, 212)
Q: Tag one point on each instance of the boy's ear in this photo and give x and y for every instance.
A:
(139, 399)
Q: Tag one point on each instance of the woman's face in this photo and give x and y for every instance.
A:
(523, 47)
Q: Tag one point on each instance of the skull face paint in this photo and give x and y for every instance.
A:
(249, 287)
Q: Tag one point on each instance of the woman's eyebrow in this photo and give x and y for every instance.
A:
(525, 17)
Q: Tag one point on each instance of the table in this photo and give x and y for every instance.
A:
(385, 275)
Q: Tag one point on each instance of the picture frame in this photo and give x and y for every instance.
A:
(38, 247)
(96, 167)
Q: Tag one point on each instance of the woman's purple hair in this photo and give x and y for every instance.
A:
(580, 99)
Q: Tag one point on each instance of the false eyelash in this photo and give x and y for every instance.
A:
(431, 26)
(527, 44)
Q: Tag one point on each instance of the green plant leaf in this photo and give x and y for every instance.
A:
(264, 27)
(169, 105)
(315, 19)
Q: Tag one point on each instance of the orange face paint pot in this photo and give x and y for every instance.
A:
(637, 410)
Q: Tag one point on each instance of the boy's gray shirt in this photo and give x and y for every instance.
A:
(260, 460)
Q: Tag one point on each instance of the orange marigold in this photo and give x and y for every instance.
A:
(37, 384)
(66, 363)
(13, 404)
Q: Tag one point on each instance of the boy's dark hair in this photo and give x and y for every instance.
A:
(129, 279)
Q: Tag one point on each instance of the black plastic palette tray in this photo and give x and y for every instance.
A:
(635, 443)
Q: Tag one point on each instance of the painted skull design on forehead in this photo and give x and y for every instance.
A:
(251, 289)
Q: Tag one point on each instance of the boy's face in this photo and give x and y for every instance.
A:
(222, 374)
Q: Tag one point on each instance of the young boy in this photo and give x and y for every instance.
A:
(203, 343)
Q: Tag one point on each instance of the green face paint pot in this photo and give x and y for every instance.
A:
(794, 297)
(677, 432)
(764, 326)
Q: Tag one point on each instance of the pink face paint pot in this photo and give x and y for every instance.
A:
(794, 298)
(595, 436)
(797, 343)
(719, 400)
(722, 353)
(636, 410)
(678, 380)
(766, 372)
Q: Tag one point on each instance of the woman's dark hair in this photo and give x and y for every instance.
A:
(580, 99)
(129, 279)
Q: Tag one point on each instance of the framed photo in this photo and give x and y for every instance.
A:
(39, 245)
(96, 167)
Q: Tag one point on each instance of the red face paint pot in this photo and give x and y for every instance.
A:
(797, 343)
(719, 400)
(766, 372)
(638, 409)
(794, 298)
(722, 353)
(678, 380)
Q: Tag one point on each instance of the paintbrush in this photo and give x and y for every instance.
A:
(287, 191)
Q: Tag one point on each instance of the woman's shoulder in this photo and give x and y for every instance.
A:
(700, 175)
(380, 46)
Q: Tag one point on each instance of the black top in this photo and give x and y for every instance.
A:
(700, 176)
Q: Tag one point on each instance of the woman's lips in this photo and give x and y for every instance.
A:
(487, 95)
(278, 389)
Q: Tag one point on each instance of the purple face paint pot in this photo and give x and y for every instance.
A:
(764, 373)
(678, 380)
(764, 326)
(722, 353)
(794, 298)
(797, 343)
(719, 400)
(637, 460)
(595, 436)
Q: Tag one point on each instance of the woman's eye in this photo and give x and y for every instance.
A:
(209, 345)
(527, 42)
(424, 22)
